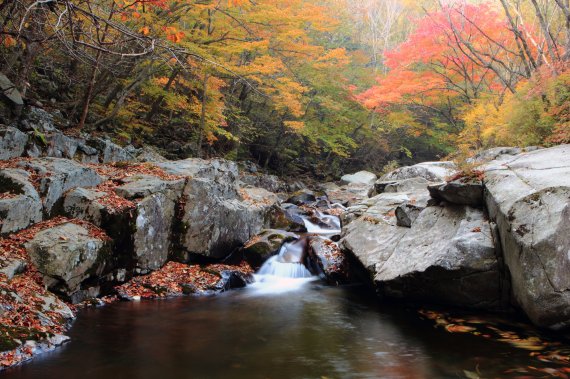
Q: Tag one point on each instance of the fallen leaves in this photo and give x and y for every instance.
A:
(175, 279)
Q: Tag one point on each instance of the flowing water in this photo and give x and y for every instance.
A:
(303, 330)
(289, 325)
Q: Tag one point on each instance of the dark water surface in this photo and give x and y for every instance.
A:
(314, 332)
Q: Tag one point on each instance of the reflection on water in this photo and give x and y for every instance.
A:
(311, 332)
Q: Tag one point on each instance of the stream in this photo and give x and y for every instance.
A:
(307, 331)
(289, 324)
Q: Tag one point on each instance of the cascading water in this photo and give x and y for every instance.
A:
(286, 271)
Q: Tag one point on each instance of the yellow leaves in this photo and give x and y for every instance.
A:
(145, 30)
(333, 58)
(295, 125)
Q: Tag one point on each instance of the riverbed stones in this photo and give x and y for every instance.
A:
(407, 213)
(67, 255)
(21, 206)
(529, 197)
(12, 142)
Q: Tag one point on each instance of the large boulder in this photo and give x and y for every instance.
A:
(529, 197)
(12, 142)
(67, 255)
(58, 176)
(361, 177)
(431, 171)
(21, 206)
(446, 257)
(328, 261)
(217, 216)
(154, 216)
(110, 152)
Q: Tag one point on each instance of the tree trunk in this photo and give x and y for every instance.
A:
(203, 114)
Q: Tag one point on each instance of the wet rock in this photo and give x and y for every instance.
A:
(328, 261)
(302, 197)
(67, 255)
(446, 257)
(431, 171)
(262, 246)
(23, 206)
(459, 192)
(528, 196)
(286, 217)
(407, 213)
(231, 279)
(58, 176)
(361, 177)
(12, 142)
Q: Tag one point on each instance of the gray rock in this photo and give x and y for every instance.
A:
(149, 154)
(446, 257)
(262, 246)
(528, 196)
(361, 177)
(8, 89)
(24, 208)
(269, 182)
(350, 194)
(58, 176)
(13, 267)
(39, 120)
(12, 142)
(459, 192)
(154, 218)
(405, 185)
(406, 214)
(152, 236)
(110, 152)
(82, 203)
(215, 223)
(328, 261)
(67, 255)
(431, 171)
(494, 154)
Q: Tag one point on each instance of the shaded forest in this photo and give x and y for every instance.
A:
(298, 86)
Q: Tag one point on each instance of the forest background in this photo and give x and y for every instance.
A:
(317, 87)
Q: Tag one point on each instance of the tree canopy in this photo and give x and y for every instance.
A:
(317, 86)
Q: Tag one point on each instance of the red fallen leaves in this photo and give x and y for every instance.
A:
(25, 316)
(113, 202)
(12, 246)
(521, 337)
(121, 170)
(466, 176)
(169, 280)
(7, 195)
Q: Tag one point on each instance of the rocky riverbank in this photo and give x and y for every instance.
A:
(496, 238)
(85, 221)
